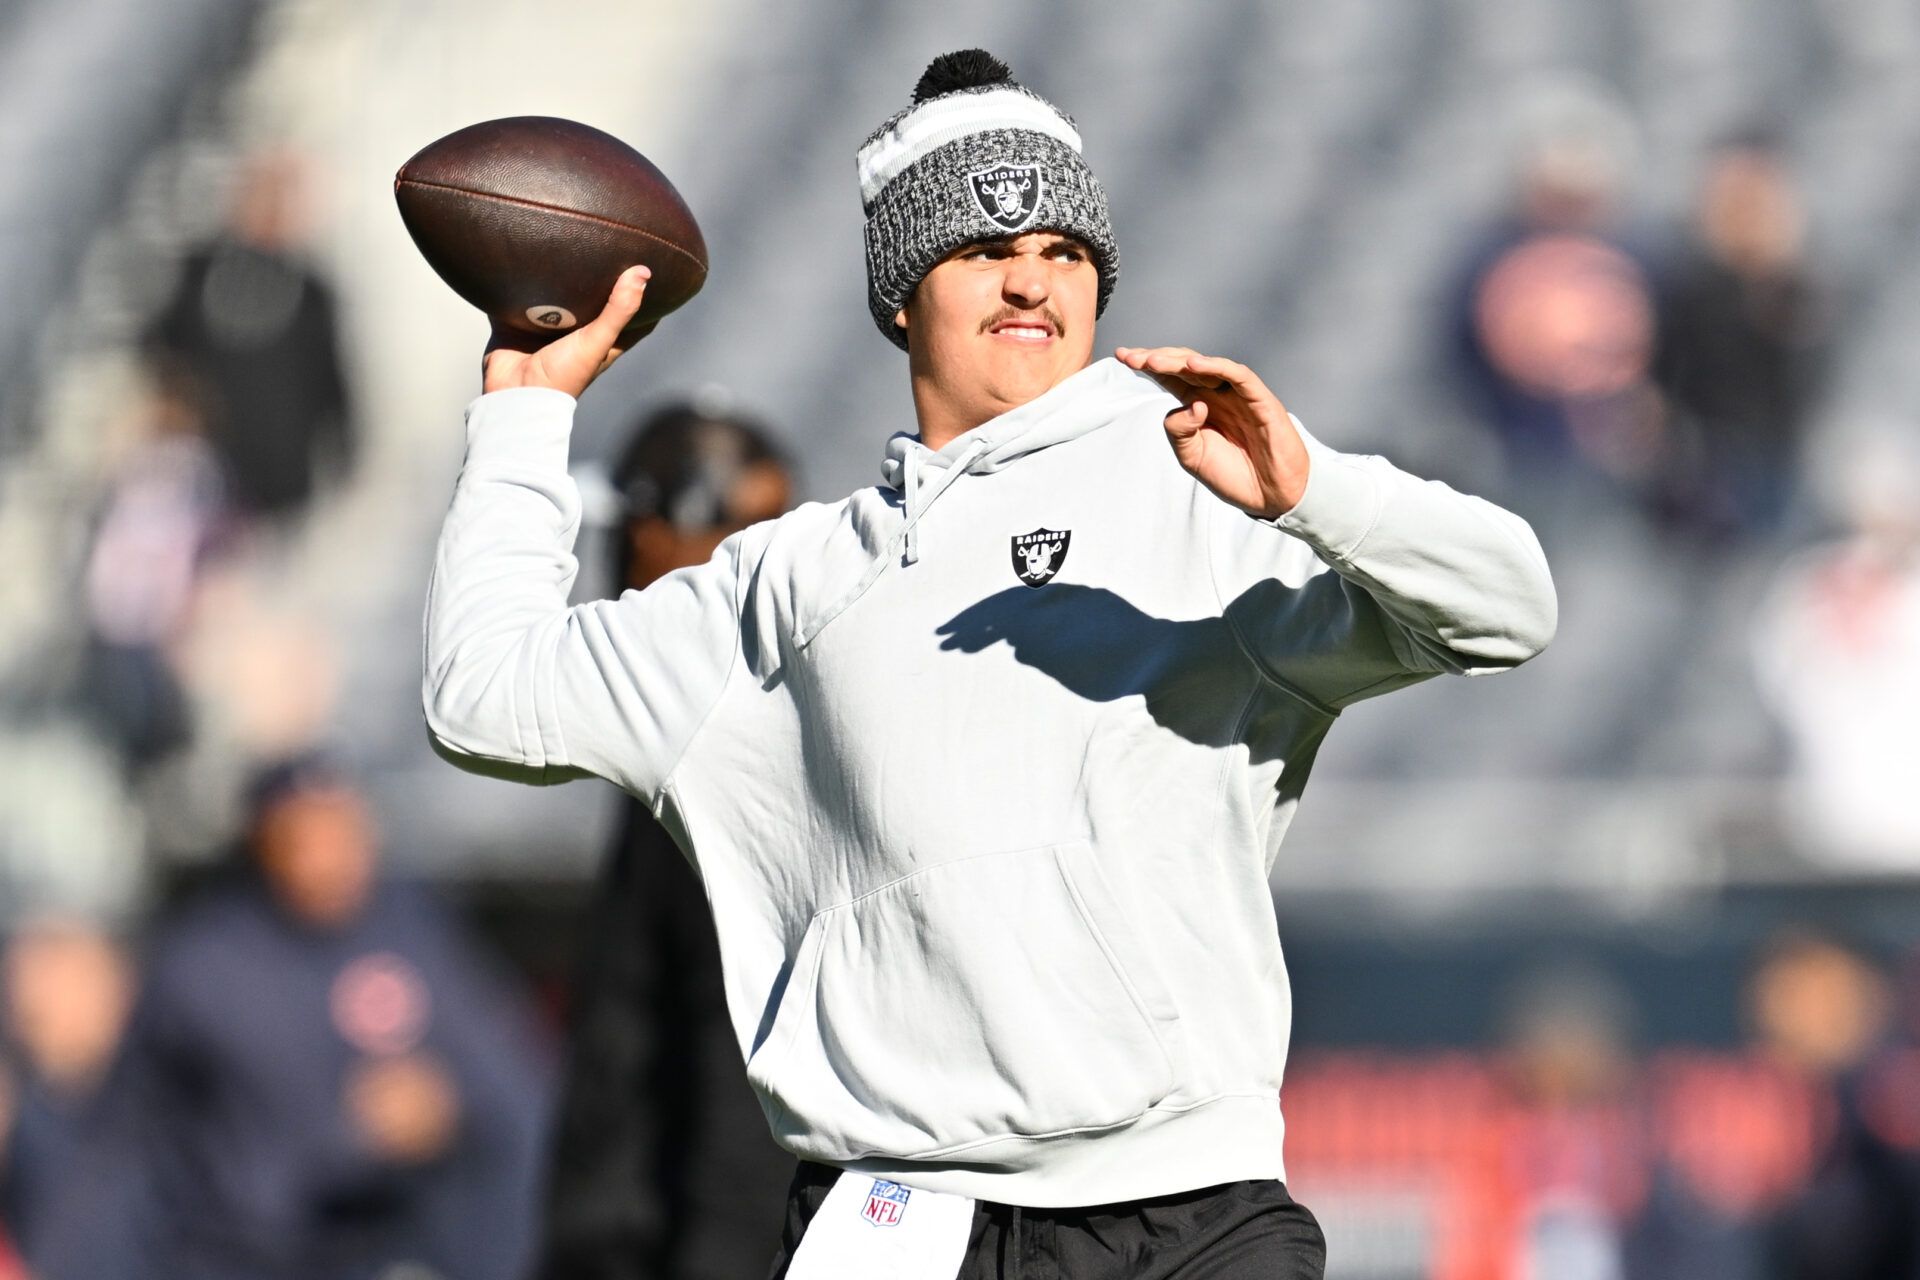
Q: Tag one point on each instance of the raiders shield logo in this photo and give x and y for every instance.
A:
(1037, 556)
(1009, 194)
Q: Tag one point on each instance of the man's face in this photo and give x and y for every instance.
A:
(67, 988)
(317, 847)
(1000, 322)
(761, 491)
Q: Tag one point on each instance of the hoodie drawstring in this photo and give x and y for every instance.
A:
(918, 500)
(917, 506)
(910, 496)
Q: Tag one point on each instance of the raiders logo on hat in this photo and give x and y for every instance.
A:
(1037, 556)
(1009, 194)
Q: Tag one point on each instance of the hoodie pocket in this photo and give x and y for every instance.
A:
(1004, 995)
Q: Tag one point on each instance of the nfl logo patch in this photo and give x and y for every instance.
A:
(1009, 194)
(886, 1204)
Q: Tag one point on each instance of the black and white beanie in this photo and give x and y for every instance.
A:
(976, 157)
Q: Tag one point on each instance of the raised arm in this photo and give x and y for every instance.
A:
(1424, 579)
(516, 683)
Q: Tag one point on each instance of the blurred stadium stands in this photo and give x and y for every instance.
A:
(1302, 204)
(1294, 184)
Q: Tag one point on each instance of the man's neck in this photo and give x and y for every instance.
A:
(943, 419)
(942, 423)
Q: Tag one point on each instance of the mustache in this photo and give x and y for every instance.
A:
(1046, 313)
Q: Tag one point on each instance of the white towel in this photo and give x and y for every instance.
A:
(872, 1229)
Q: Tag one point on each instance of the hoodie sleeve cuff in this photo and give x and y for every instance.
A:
(521, 427)
(1340, 505)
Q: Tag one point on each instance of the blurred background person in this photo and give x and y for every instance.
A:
(1730, 1138)
(1563, 1166)
(254, 332)
(1555, 313)
(331, 1080)
(1836, 646)
(1825, 1011)
(68, 1185)
(161, 521)
(663, 1165)
(1743, 341)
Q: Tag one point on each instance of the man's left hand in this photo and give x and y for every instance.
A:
(1230, 432)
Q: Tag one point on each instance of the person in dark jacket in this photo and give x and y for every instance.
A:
(327, 1079)
(663, 1165)
(253, 331)
(1744, 339)
(69, 1187)
(1825, 1008)
(1553, 312)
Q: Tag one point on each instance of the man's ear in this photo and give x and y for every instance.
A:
(900, 318)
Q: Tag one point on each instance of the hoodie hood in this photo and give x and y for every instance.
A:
(1084, 402)
(1096, 396)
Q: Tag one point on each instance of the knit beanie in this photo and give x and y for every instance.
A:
(976, 157)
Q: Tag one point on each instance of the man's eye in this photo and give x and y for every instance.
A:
(1068, 253)
(983, 252)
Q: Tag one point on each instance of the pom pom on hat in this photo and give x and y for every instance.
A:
(962, 69)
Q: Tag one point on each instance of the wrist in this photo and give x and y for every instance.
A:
(521, 414)
(1337, 508)
(1293, 472)
(1287, 495)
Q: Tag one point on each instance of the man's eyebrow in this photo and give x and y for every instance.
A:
(993, 242)
(1005, 244)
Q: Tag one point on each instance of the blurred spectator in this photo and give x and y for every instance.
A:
(1818, 1006)
(1742, 343)
(664, 1166)
(1825, 1011)
(1730, 1139)
(1560, 1157)
(330, 1081)
(1837, 651)
(162, 517)
(263, 667)
(1599, 1166)
(1554, 314)
(253, 331)
(1564, 1168)
(65, 1195)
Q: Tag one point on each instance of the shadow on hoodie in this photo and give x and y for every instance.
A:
(1102, 647)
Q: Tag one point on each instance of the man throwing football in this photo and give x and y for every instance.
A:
(984, 768)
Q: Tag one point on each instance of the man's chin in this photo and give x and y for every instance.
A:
(1019, 363)
(1016, 382)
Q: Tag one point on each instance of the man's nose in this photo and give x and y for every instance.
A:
(1025, 284)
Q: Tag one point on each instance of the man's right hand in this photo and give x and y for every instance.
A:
(567, 364)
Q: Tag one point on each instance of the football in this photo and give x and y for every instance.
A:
(533, 218)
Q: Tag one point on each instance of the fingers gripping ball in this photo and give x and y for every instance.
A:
(532, 219)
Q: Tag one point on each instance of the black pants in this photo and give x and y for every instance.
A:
(1240, 1231)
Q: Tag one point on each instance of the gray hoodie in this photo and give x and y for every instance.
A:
(984, 769)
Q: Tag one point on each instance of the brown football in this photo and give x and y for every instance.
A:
(532, 219)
